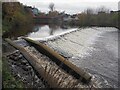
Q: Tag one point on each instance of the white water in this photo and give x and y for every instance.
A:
(95, 49)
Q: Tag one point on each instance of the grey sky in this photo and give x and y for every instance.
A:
(72, 6)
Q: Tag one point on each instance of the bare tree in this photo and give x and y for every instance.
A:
(89, 11)
(51, 7)
(103, 9)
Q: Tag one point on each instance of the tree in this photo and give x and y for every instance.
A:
(51, 7)
(89, 11)
(103, 9)
(14, 15)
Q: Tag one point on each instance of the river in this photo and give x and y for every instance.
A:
(94, 49)
(37, 31)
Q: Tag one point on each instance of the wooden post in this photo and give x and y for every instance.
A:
(35, 65)
(58, 59)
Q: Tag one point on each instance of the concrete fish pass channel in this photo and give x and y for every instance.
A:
(53, 69)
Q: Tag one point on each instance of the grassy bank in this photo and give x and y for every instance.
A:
(0, 65)
(9, 81)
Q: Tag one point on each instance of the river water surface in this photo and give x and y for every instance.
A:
(94, 49)
(37, 31)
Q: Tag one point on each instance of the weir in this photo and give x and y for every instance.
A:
(35, 65)
(62, 66)
(61, 61)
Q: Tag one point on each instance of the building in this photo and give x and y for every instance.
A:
(67, 17)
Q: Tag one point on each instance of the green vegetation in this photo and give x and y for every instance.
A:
(100, 19)
(8, 79)
(0, 19)
(0, 65)
(14, 15)
(0, 57)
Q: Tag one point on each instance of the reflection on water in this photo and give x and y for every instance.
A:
(37, 31)
(41, 31)
(14, 33)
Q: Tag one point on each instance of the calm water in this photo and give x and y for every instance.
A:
(48, 30)
(37, 31)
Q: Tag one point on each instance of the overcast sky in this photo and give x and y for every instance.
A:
(71, 6)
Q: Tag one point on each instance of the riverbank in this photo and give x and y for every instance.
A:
(9, 81)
